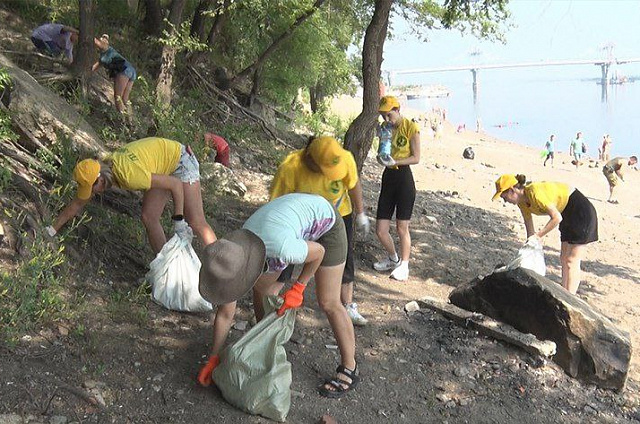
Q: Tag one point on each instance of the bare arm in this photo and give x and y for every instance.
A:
(528, 223)
(71, 210)
(355, 194)
(312, 262)
(414, 159)
(554, 220)
(174, 185)
(95, 66)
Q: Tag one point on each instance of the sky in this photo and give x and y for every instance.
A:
(542, 30)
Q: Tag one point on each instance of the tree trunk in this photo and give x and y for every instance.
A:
(153, 17)
(276, 43)
(316, 97)
(360, 133)
(197, 24)
(83, 56)
(168, 61)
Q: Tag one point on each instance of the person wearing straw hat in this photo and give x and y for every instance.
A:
(567, 208)
(398, 189)
(323, 167)
(160, 167)
(292, 229)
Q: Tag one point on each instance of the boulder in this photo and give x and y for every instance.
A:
(225, 181)
(589, 346)
(45, 114)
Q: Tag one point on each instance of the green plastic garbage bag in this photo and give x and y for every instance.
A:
(254, 374)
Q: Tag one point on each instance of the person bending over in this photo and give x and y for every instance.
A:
(292, 229)
(119, 69)
(567, 208)
(54, 39)
(160, 167)
(613, 172)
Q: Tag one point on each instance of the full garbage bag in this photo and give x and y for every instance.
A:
(530, 256)
(174, 275)
(254, 374)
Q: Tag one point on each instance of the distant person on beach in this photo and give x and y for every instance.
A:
(576, 149)
(55, 39)
(613, 171)
(550, 147)
(479, 125)
(398, 190)
(605, 150)
(218, 148)
(295, 228)
(323, 167)
(568, 209)
(119, 69)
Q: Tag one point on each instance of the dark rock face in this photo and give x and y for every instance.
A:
(589, 346)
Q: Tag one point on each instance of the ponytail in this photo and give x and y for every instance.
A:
(522, 179)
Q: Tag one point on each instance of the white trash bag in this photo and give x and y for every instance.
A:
(530, 256)
(174, 276)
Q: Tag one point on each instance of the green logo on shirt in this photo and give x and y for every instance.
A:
(335, 187)
(402, 141)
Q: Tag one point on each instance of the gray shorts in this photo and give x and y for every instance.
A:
(188, 170)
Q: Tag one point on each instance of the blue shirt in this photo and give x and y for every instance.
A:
(107, 57)
(285, 225)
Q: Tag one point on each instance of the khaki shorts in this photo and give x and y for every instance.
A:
(611, 176)
(335, 244)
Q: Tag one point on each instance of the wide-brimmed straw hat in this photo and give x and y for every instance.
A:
(231, 266)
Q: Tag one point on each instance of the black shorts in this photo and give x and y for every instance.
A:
(350, 267)
(336, 244)
(398, 193)
(579, 223)
(550, 155)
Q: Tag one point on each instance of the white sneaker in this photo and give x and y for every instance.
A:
(356, 318)
(386, 264)
(401, 273)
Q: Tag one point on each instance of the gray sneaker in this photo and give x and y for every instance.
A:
(387, 264)
(356, 318)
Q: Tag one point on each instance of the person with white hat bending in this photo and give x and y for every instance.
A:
(292, 229)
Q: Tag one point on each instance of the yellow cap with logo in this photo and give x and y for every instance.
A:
(85, 174)
(387, 103)
(329, 155)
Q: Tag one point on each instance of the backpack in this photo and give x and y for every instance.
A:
(584, 148)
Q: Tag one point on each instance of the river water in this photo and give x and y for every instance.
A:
(527, 105)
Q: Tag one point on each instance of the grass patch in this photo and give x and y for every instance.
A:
(130, 305)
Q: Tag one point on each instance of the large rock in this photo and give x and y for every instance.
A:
(589, 346)
(45, 114)
(223, 178)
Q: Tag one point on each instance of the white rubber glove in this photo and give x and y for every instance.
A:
(51, 231)
(387, 161)
(182, 229)
(362, 222)
(534, 241)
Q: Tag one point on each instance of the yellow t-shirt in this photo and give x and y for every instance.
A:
(293, 176)
(401, 139)
(134, 163)
(542, 194)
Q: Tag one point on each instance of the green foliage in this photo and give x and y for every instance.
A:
(130, 304)
(32, 295)
(323, 122)
(180, 38)
(6, 132)
(5, 175)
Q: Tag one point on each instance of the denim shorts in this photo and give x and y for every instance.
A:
(188, 170)
(130, 72)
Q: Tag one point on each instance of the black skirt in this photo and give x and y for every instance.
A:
(579, 223)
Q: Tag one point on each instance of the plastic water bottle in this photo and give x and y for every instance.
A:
(384, 148)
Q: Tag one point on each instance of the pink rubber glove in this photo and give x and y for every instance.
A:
(292, 298)
(204, 377)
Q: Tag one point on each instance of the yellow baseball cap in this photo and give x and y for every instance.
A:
(329, 155)
(387, 103)
(85, 174)
(504, 183)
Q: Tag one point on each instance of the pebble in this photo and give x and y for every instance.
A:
(241, 325)
(461, 371)
(431, 219)
(412, 306)
(58, 419)
(443, 397)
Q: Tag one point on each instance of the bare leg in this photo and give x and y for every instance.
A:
(405, 239)
(152, 207)
(119, 86)
(221, 326)
(346, 293)
(194, 213)
(570, 257)
(266, 285)
(382, 231)
(127, 91)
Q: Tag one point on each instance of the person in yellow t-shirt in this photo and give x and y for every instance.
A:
(159, 167)
(398, 190)
(567, 208)
(323, 167)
